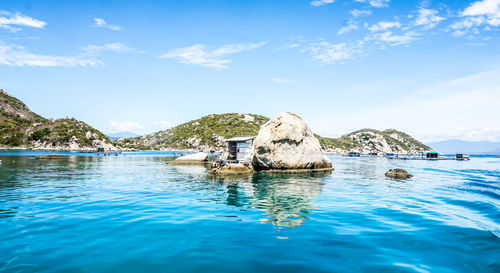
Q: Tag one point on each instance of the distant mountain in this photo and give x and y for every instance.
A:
(209, 132)
(374, 141)
(116, 136)
(455, 146)
(494, 152)
(20, 127)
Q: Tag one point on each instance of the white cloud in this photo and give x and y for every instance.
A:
(292, 45)
(125, 126)
(479, 13)
(358, 13)
(329, 53)
(95, 50)
(10, 21)
(349, 26)
(394, 39)
(199, 55)
(376, 3)
(321, 2)
(469, 22)
(294, 42)
(484, 7)
(383, 34)
(282, 80)
(99, 22)
(13, 55)
(381, 26)
(162, 124)
(428, 18)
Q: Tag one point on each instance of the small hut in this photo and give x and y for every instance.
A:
(240, 148)
(431, 156)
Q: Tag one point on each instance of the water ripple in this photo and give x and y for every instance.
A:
(136, 213)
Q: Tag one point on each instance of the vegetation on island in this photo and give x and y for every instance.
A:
(371, 140)
(21, 127)
(207, 132)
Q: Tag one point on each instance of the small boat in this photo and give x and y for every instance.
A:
(390, 155)
(462, 157)
(354, 154)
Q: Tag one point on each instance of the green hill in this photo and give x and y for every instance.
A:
(21, 127)
(205, 133)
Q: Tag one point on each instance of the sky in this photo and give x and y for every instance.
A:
(429, 68)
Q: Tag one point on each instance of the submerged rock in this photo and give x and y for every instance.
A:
(198, 158)
(287, 143)
(398, 174)
(232, 169)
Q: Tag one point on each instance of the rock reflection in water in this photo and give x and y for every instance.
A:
(286, 198)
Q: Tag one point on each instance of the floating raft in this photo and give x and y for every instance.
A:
(420, 157)
(109, 153)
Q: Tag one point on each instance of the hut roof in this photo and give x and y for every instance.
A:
(240, 139)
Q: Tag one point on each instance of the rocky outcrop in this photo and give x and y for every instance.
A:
(13, 108)
(287, 143)
(398, 174)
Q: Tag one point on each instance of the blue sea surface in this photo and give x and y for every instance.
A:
(135, 213)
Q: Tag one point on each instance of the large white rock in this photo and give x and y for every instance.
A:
(287, 143)
(192, 158)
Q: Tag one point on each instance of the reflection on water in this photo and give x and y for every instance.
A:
(286, 198)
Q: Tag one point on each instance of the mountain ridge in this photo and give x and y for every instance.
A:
(209, 132)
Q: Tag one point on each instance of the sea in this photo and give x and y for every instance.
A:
(135, 213)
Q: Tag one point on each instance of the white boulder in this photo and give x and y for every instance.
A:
(287, 143)
(191, 158)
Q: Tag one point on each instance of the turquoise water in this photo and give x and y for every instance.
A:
(134, 213)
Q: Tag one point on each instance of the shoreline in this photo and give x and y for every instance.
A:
(167, 151)
(87, 150)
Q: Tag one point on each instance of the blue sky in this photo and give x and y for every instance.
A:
(430, 68)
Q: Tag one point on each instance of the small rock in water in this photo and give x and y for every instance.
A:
(237, 168)
(398, 174)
